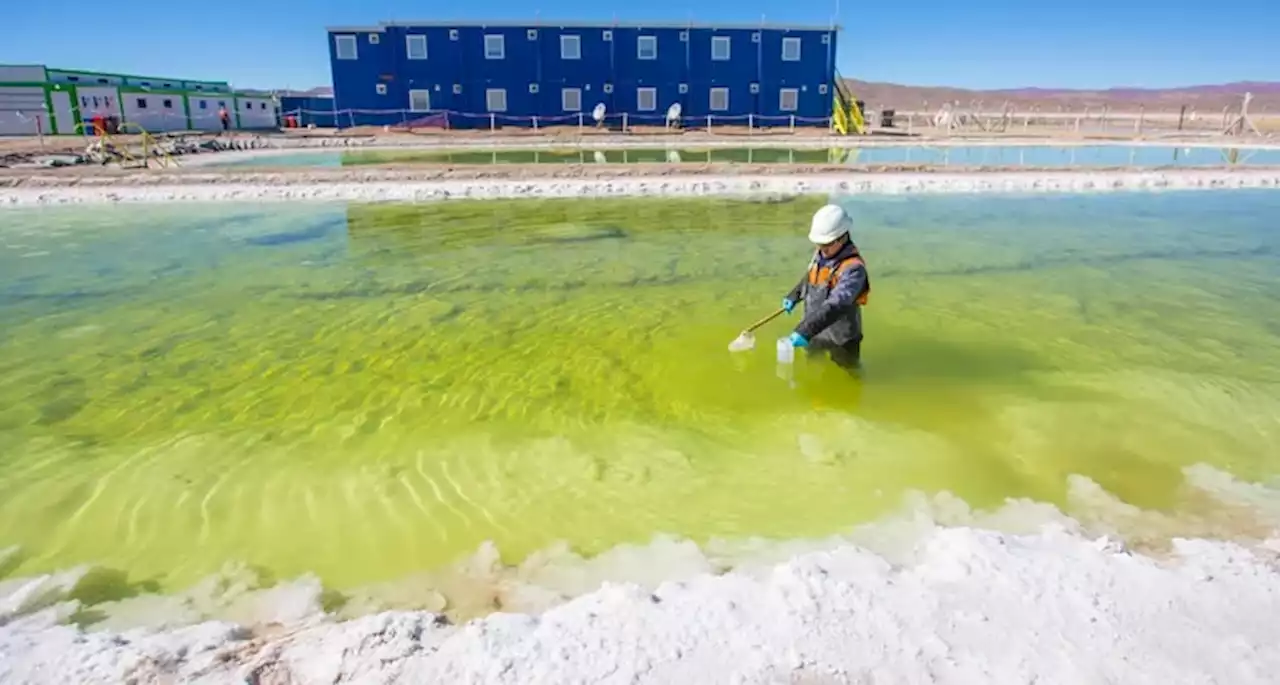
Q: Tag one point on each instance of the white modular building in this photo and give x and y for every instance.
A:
(35, 99)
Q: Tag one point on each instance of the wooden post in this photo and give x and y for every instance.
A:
(579, 123)
(1182, 117)
(1142, 113)
(493, 122)
(40, 129)
(535, 127)
(751, 123)
(624, 122)
(792, 126)
(708, 123)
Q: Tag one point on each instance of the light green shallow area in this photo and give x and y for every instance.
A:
(368, 391)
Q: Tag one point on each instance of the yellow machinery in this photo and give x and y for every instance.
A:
(121, 154)
(846, 116)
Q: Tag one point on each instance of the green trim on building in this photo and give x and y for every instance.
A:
(231, 98)
(48, 108)
(132, 77)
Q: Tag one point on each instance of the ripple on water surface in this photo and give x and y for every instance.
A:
(367, 391)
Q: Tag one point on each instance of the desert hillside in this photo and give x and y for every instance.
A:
(1204, 98)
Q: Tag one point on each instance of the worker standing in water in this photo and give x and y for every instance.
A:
(833, 291)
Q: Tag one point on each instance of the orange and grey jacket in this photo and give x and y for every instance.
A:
(833, 292)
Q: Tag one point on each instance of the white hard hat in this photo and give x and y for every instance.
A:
(829, 223)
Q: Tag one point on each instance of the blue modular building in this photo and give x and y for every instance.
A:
(309, 109)
(398, 71)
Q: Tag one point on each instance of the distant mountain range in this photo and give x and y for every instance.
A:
(1266, 97)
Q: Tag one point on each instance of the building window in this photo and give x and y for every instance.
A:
(647, 47)
(84, 101)
(248, 106)
(607, 35)
(380, 89)
(646, 99)
(571, 99)
(719, 99)
(789, 99)
(73, 79)
(495, 99)
(102, 80)
(374, 38)
(204, 105)
(344, 47)
(142, 103)
(167, 104)
(720, 48)
(533, 34)
(790, 49)
(416, 46)
(495, 46)
(570, 47)
(419, 101)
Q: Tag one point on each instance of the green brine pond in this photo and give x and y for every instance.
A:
(365, 392)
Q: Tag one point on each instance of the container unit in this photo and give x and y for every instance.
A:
(65, 101)
(399, 71)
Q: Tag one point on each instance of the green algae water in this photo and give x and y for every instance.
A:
(368, 391)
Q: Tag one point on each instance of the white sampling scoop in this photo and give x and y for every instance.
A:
(746, 340)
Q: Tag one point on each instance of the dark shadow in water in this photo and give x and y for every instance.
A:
(102, 585)
(10, 563)
(937, 361)
(290, 237)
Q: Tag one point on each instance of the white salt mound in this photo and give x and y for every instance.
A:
(968, 606)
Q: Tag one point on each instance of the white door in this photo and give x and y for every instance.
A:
(63, 117)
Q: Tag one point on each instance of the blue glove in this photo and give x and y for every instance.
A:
(788, 304)
(798, 340)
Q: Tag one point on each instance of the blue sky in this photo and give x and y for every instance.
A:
(968, 43)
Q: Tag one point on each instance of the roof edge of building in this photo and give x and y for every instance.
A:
(383, 26)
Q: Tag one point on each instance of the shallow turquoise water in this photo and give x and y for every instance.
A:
(364, 392)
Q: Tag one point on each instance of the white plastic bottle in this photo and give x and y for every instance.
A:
(786, 352)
